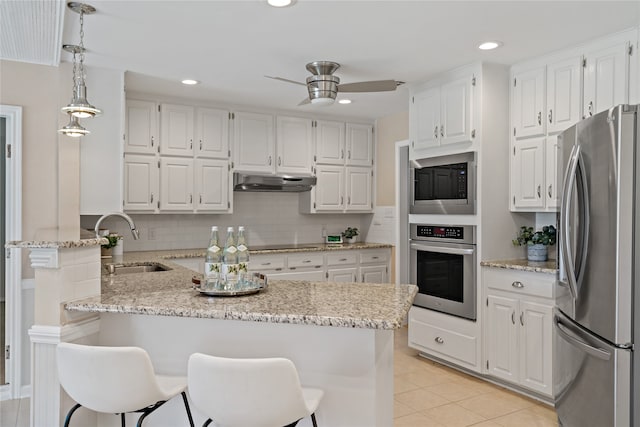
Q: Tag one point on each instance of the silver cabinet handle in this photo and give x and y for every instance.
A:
(521, 318)
(349, 200)
(442, 131)
(342, 259)
(151, 201)
(191, 144)
(341, 200)
(152, 141)
(348, 154)
(439, 340)
(590, 108)
(269, 160)
(200, 145)
(435, 132)
(550, 196)
(190, 198)
(513, 317)
(201, 199)
(517, 285)
(266, 263)
(539, 117)
(279, 160)
(538, 191)
(374, 257)
(342, 154)
(306, 261)
(551, 116)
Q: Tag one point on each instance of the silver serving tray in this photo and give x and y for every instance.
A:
(257, 283)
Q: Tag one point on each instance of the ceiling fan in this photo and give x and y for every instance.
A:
(323, 86)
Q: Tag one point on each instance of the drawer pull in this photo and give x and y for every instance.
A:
(521, 319)
(439, 340)
(517, 285)
(266, 263)
(306, 261)
(374, 257)
(342, 259)
(513, 317)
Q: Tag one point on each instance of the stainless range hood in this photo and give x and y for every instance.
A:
(282, 183)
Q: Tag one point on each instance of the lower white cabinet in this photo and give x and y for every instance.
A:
(519, 327)
(374, 274)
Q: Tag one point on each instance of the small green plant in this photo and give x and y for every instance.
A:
(113, 241)
(350, 232)
(527, 236)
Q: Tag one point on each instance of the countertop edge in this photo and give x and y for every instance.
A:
(546, 267)
(66, 244)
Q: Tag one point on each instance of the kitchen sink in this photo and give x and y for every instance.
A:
(143, 267)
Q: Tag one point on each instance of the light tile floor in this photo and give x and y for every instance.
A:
(427, 394)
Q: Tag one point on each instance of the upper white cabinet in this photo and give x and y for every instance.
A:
(176, 135)
(358, 189)
(605, 77)
(528, 103)
(329, 142)
(141, 122)
(294, 145)
(141, 184)
(551, 153)
(253, 142)
(359, 145)
(564, 80)
(328, 193)
(340, 189)
(442, 114)
(527, 173)
(212, 185)
(212, 133)
(176, 184)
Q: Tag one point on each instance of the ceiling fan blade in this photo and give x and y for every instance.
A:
(286, 80)
(304, 102)
(373, 86)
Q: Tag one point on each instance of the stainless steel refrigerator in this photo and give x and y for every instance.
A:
(596, 370)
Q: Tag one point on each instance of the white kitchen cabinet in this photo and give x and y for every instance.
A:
(212, 133)
(564, 83)
(527, 173)
(329, 142)
(341, 189)
(141, 190)
(310, 276)
(176, 130)
(442, 115)
(374, 274)
(343, 275)
(358, 189)
(519, 327)
(606, 77)
(294, 145)
(552, 180)
(342, 266)
(253, 142)
(267, 263)
(328, 193)
(176, 184)
(527, 106)
(212, 186)
(359, 145)
(141, 119)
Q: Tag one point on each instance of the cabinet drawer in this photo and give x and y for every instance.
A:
(521, 282)
(371, 257)
(342, 258)
(453, 345)
(305, 260)
(266, 262)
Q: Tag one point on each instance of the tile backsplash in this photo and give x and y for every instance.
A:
(269, 218)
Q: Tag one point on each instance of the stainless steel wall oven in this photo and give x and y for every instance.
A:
(443, 266)
(444, 185)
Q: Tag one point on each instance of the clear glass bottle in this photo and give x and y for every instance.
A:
(230, 261)
(212, 261)
(243, 257)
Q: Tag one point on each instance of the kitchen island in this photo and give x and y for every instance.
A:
(339, 335)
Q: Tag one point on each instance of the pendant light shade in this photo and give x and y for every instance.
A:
(79, 106)
(73, 129)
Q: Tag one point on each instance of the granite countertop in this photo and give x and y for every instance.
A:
(171, 293)
(275, 249)
(549, 267)
(59, 238)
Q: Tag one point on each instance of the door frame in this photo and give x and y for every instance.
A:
(13, 257)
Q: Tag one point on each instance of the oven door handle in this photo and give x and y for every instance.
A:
(442, 249)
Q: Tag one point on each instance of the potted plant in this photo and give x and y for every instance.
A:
(106, 249)
(537, 242)
(350, 234)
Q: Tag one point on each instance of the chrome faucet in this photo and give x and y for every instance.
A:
(134, 231)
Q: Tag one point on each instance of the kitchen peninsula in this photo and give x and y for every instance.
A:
(339, 335)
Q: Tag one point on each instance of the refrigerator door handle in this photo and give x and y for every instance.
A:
(570, 336)
(569, 181)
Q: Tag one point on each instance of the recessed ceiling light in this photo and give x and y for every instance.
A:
(280, 3)
(344, 101)
(190, 82)
(490, 45)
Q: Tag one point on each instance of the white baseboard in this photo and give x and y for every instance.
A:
(25, 391)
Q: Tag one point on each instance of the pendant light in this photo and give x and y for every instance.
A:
(79, 106)
(73, 129)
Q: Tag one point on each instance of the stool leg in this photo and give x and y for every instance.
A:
(206, 423)
(123, 422)
(186, 406)
(70, 413)
(313, 420)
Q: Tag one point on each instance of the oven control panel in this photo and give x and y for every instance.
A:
(440, 232)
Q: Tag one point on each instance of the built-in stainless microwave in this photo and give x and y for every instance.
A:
(444, 185)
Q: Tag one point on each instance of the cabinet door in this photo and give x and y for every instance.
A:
(358, 189)
(294, 143)
(329, 195)
(564, 82)
(176, 184)
(311, 276)
(502, 346)
(374, 274)
(455, 111)
(141, 127)
(359, 145)
(528, 99)
(212, 185)
(342, 274)
(551, 152)
(425, 119)
(527, 173)
(140, 182)
(605, 78)
(536, 354)
(330, 142)
(212, 133)
(176, 136)
(253, 142)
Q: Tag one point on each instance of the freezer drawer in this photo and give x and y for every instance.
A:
(592, 379)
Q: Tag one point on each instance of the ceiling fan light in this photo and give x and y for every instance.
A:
(280, 3)
(322, 101)
(73, 128)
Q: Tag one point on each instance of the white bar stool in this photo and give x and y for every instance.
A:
(115, 380)
(250, 392)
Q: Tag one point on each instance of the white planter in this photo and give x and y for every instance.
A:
(537, 252)
(351, 240)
